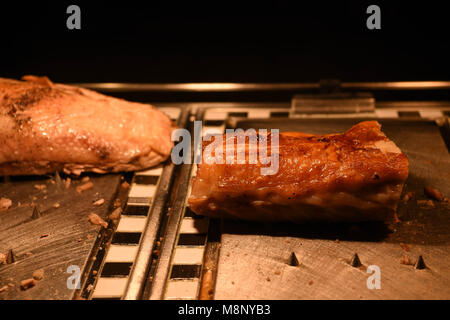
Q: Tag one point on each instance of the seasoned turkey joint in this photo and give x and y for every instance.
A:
(47, 127)
(354, 176)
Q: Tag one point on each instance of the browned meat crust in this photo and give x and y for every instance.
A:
(354, 176)
(45, 127)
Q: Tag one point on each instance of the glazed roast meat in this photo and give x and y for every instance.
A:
(47, 127)
(354, 176)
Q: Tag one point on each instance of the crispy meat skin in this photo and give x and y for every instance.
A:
(45, 127)
(354, 176)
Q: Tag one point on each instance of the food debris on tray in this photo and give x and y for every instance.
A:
(433, 193)
(99, 202)
(38, 274)
(84, 187)
(97, 220)
(406, 260)
(5, 203)
(27, 284)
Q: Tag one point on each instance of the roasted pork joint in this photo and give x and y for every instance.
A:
(47, 127)
(354, 176)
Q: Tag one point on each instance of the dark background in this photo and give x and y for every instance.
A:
(166, 41)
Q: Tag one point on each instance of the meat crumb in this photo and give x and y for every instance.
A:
(277, 273)
(117, 203)
(38, 274)
(89, 288)
(405, 247)
(5, 203)
(27, 284)
(99, 202)
(433, 193)
(85, 187)
(125, 185)
(115, 215)
(407, 196)
(85, 179)
(337, 241)
(56, 205)
(78, 297)
(67, 183)
(405, 260)
(76, 172)
(426, 204)
(95, 219)
(40, 186)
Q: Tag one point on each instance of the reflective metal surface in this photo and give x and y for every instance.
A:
(236, 87)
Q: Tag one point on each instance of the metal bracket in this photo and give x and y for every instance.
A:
(332, 103)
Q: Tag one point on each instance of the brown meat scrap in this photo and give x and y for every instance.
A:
(354, 176)
(67, 183)
(38, 274)
(433, 193)
(95, 219)
(99, 202)
(405, 246)
(47, 127)
(5, 203)
(117, 203)
(115, 215)
(426, 204)
(407, 196)
(84, 187)
(27, 284)
(405, 260)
